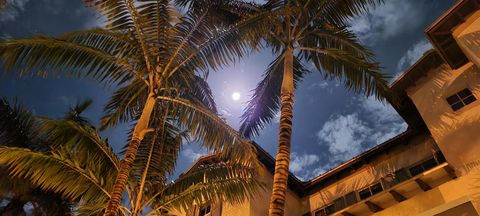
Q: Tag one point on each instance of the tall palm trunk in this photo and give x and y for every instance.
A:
(138, 133)
(280, 178)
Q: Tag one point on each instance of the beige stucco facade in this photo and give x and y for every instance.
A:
(431, 169)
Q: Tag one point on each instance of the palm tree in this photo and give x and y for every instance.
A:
(81, 166)
(299, 32)
(157, 57)
(17, 129)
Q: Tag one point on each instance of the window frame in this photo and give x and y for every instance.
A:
(456, 101)
(369, 188)
(207, 206)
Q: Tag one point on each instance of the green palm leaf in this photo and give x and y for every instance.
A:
(265, 101)
(63, 175)
(215, 182)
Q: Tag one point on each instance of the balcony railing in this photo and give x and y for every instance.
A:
(389, 185)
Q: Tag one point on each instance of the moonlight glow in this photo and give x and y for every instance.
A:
(236, 96)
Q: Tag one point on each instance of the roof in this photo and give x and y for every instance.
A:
(440, 32)
(430, 60)
(345, 169)
(341, 171)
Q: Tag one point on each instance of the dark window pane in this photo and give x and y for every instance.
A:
(457, 106)
(330, 209)
(350, 199)
(307, 214)
(415, 170)
(365, 193)
(320, 212)
(440, 157)
(464, 93)
(469, 99)
(429, 164)
(453, 99)
(204, 211)
(339, 204)
(376, 188)
(401, 175)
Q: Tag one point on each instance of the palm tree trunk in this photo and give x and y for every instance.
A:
(280, 178)
(138, 133)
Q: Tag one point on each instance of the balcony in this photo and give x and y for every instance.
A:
(392, 189)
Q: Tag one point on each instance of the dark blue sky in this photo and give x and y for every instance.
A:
(330, 124)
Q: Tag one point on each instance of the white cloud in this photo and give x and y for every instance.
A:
(348, 135)
(305, 166)
(225, 112)
(388, 19)
(299, 162)
(344, 136)
(13, 9)
(386, 122)
(412, 55)
(193, 155)
(382, 112)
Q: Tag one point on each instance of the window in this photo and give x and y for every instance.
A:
(440, 158)
(205, 210)
(400, 176)
(339, 203)
(350, 198)
(320, 212)
(330, 209)
(423, 166)
(370, 191)
(461, 99)
(417, 169)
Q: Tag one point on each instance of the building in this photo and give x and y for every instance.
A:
(431, 168)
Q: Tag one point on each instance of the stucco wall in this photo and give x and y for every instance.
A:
(456, 132)
(439, 199)
(418, 148)
(260, 203)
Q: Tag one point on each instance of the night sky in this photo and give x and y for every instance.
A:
(330, 124)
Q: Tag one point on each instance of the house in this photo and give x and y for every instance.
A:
(430, 169)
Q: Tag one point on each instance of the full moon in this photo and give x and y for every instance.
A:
(236, 96)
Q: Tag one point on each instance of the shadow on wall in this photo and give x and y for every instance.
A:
(454, 131)
(470, 43)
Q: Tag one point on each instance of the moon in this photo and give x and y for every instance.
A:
(236, 96)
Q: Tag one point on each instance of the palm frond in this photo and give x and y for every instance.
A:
(214, 46)
(96, 209)
(358, 74)
(159, 150)
(265, 101)
(200, 122)
(331, 36)
(232, 183)
(116, 13)
(81, 139)
(63, 175)
(75, 111)
(16, 126)
(47, 55)
(193, 88)
(125, 104)
(339, 12)
(158, 17)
